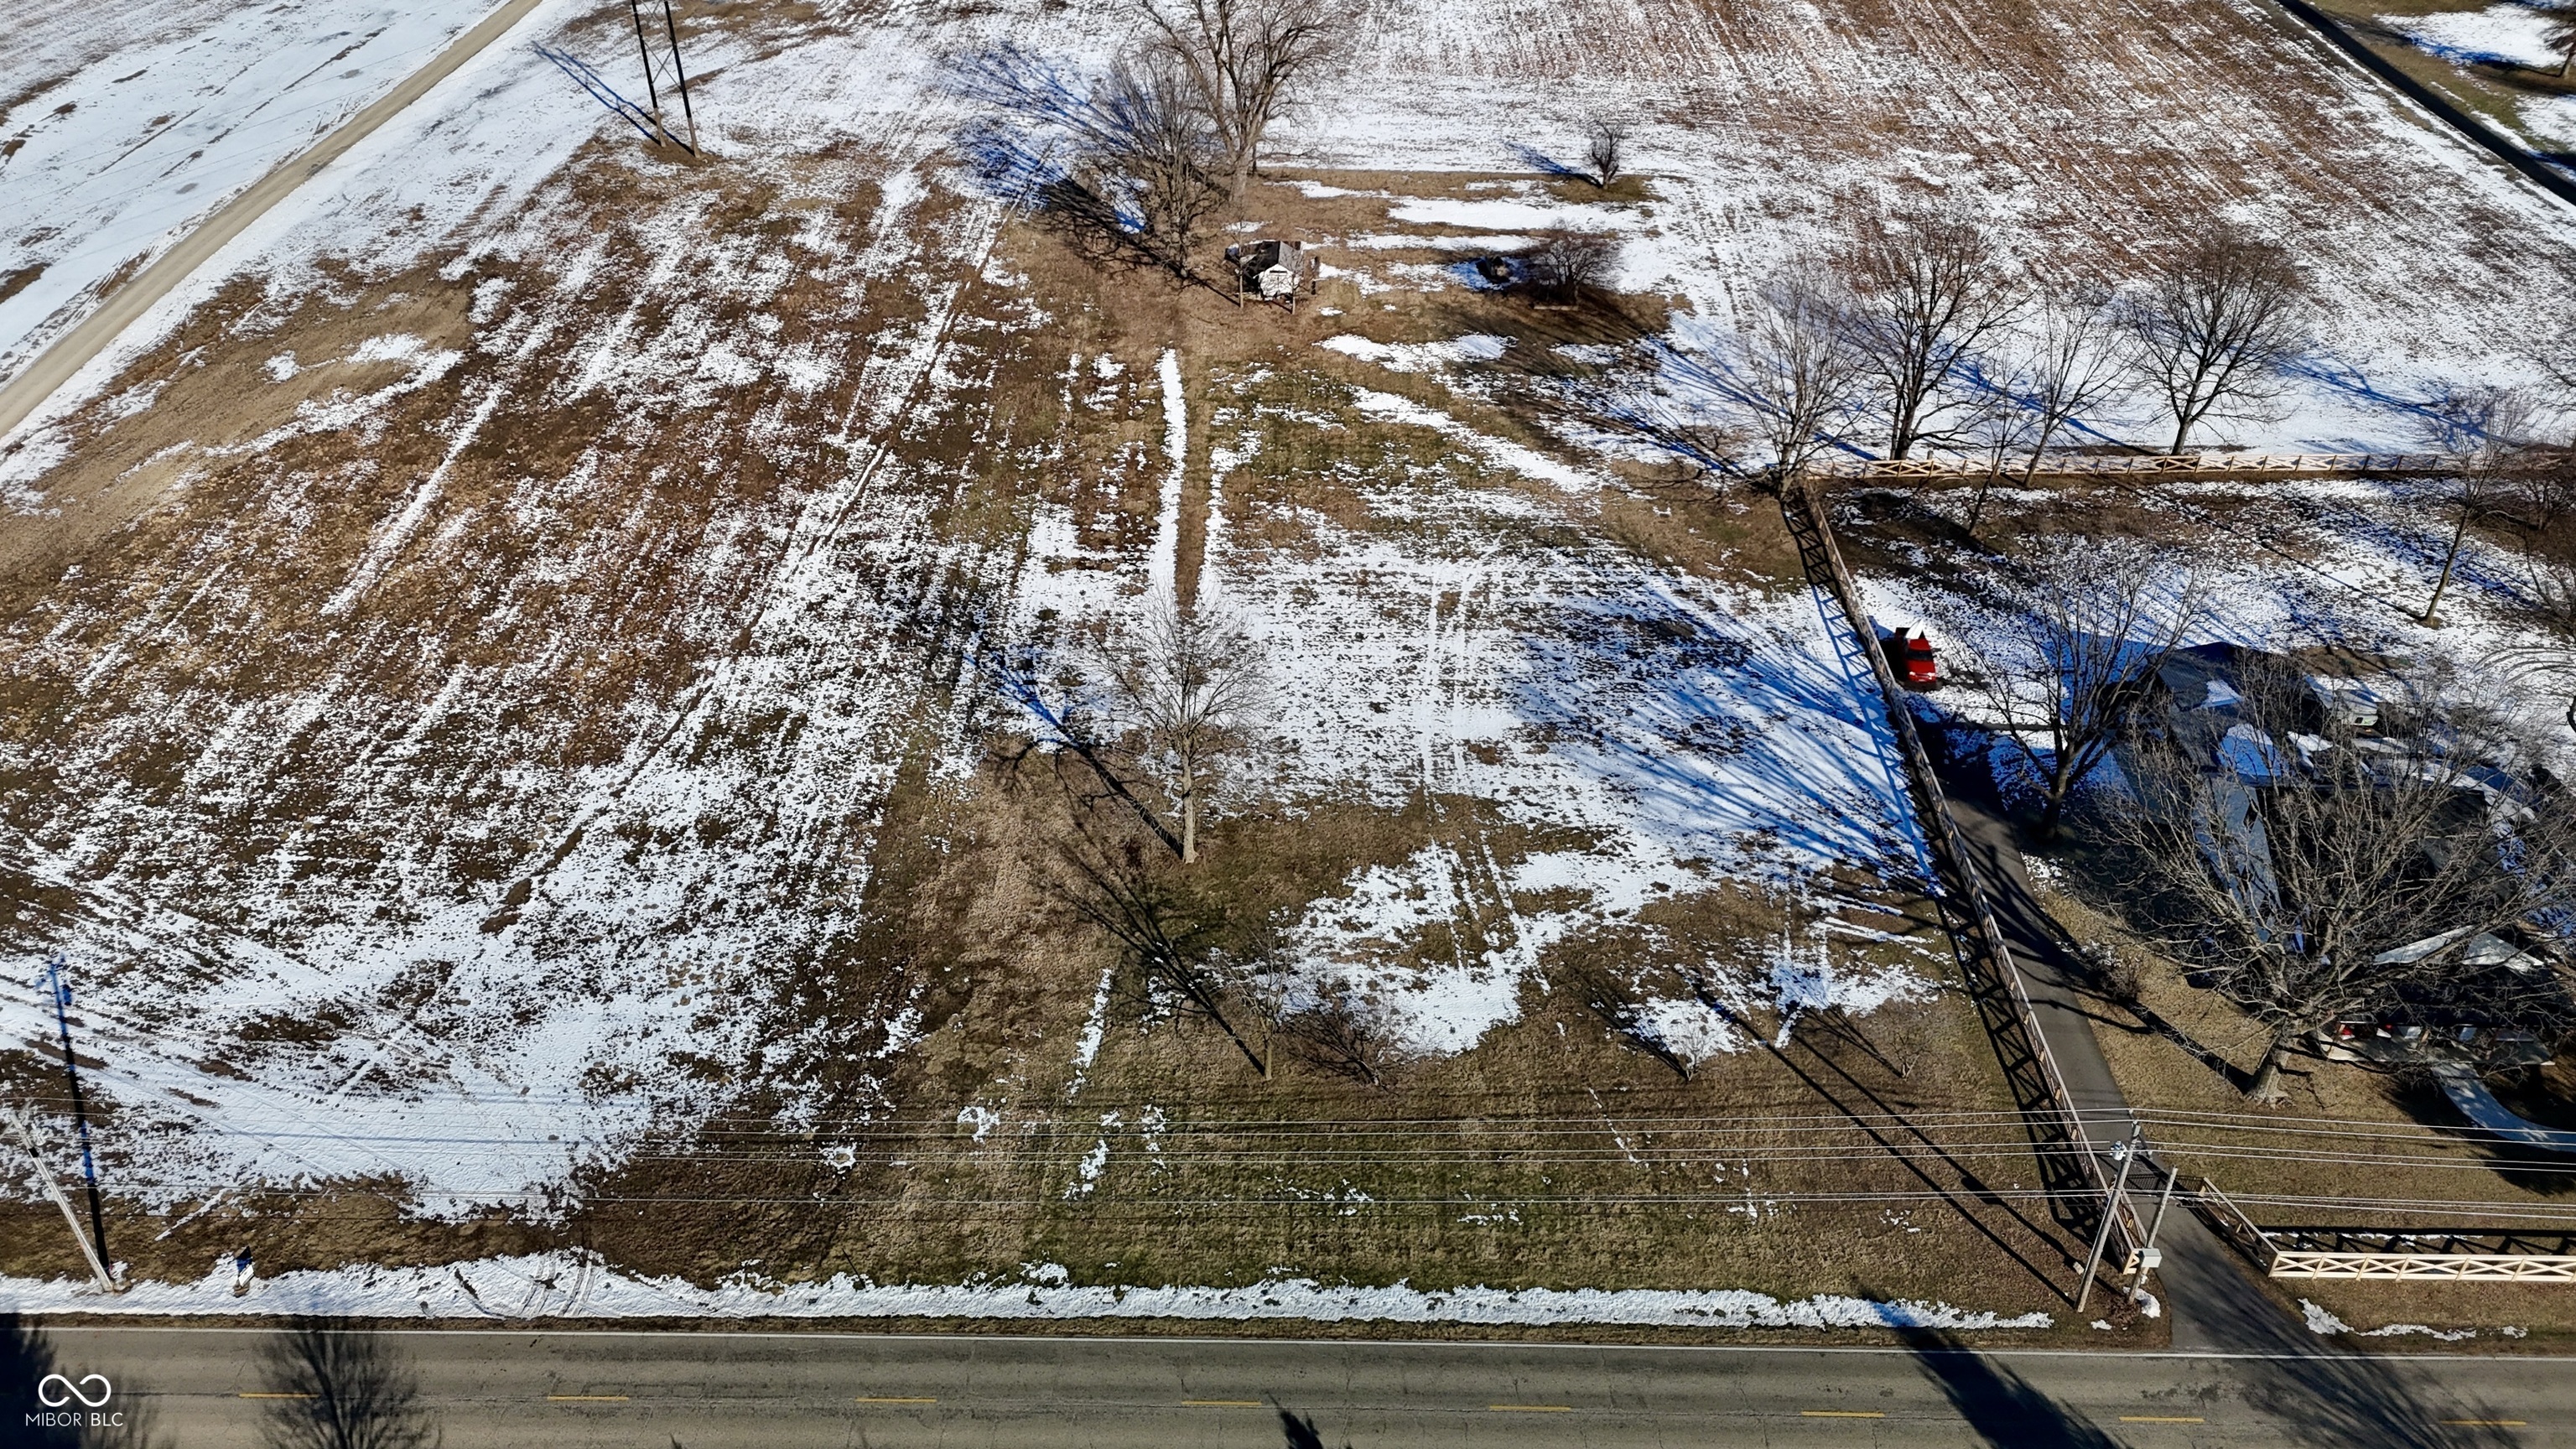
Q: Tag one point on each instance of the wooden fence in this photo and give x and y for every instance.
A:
(2069, 1167)
(2468, 1255)
(2160, 465)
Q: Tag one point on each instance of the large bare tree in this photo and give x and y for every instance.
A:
(1799, 372)
(1145, 178)
(2317, 874)
(2083, 624)
(1187, 686)
(1929, 292)
(2216, 324)
(1243, 59)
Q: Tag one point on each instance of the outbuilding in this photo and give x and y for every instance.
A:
(1271, 271)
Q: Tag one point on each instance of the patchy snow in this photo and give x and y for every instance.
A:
(1419, 356)
(1499, 452)
(2508, 34)
(1456, 657)
(573, 1285)
(2324, 1323)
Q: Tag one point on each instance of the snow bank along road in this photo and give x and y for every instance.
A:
(73, 351)
(714, 1389)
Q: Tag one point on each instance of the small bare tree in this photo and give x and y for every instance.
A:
(2073, 363)
(1568, 262)
(1929, 292)
(2076, 365)
(1187, 685)
(2547, 659)
(2483, 432)
(2215, 326)
(1603, 144)
(1798, 371)
(2560, 35)
(1242, 60)
(2320, 876)
(2082, 628)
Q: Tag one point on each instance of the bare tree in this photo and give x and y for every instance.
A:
(2320, 875)
(2073, 363)
(329, 1386)
(1568, 262)
(1145, 178)
(1997, 423)
(2216, 325)
(2077, 363)
(1603, 144)
(2081, 629)
(1242, 59)
(1799, 372)
(2560, 34)
(2483, 432)
(1617, 1002)
(1187, 685)
(1929, 292)
(2547, 661)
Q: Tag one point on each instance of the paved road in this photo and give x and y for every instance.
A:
(704, 1391)
(75, 348)
(2216, 1300)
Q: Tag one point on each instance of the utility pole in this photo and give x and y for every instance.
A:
(80, 1112)
(24, 1121)
(644, 48)
(2149, 1258)
(672, 25)
(2130, 1151)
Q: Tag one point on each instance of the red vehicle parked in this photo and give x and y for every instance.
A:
(1915, 665)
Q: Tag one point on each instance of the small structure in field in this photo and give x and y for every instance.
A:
(1271, 271)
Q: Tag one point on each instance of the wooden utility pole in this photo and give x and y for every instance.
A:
(2131, 1151)
(80, 1111)
(24, 1121)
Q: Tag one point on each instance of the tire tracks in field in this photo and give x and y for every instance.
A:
(813, 538)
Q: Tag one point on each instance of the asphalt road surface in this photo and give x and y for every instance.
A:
(199, 1388)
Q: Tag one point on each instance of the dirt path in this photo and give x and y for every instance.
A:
(59, 363)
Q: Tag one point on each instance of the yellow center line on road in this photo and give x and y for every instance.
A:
(1531, 1408)
(586, 1398)
(278, 1396)
(1223, 1404)
(1840, 1414)
(892, 1399)
(2158, 1419)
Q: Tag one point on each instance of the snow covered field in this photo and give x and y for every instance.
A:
(121, 126)
(425, 760)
